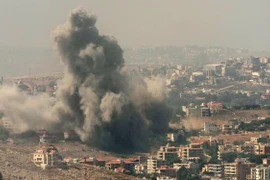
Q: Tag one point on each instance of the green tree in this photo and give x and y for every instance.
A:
(186, 174)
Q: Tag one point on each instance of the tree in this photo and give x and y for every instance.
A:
(186, 174)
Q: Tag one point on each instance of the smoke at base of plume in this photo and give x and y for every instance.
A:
(105, 107)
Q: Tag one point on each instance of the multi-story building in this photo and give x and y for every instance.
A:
(191, 152)
(196, 111)
(247, 148)
(261, 149)
(217, 169)
(153, 164)
(47, 156)
(126, 164)
(47, 139)
(167, 172)
(167, 152)
(260, 172)
(238, 170)
(227, 127)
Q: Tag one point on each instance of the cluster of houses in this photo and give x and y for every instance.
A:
(242, 168)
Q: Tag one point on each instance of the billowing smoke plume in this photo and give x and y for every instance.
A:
(26, 112)
(107, 108)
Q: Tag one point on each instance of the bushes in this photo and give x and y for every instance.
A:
(4, 134)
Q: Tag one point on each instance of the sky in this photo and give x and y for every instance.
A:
(137, 23)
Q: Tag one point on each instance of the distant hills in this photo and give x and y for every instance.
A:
(16, 61)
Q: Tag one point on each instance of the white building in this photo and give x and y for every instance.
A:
(217, 169)
(47, 156)
(260, 173)
(153, 164)
(171, 137)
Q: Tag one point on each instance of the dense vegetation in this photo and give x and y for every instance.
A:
(187, 174)
(255, 125)
(231, 156)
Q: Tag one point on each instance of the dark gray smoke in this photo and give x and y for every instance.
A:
(107, 108)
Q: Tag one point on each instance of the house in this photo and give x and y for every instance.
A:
(47, 139)
(47, 156)
(215, 107)
(140, 168)
(172, 137)
(71, 135)
(126, 164)
(266, 161)
(113, 164)
(41, 132)
(168, 172)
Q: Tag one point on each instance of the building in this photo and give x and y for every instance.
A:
(167, 172)
(260, 172)
(261, 149)
(126, 164)
(71, 135)
(47, 156)
(246, 148)
(266, 161)
(214, 68)
(216, 169)
(187, 165)
(209, 127)
(171, 137)
(227, 128)
(93, 161)
(196, 111)
(153, 164)
(167, 152)
(260, 139)
(47, 139)
(215, 107)
(238, 170)
(140, 168)
(191, 152)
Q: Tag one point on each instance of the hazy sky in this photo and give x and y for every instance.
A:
(135, 23)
